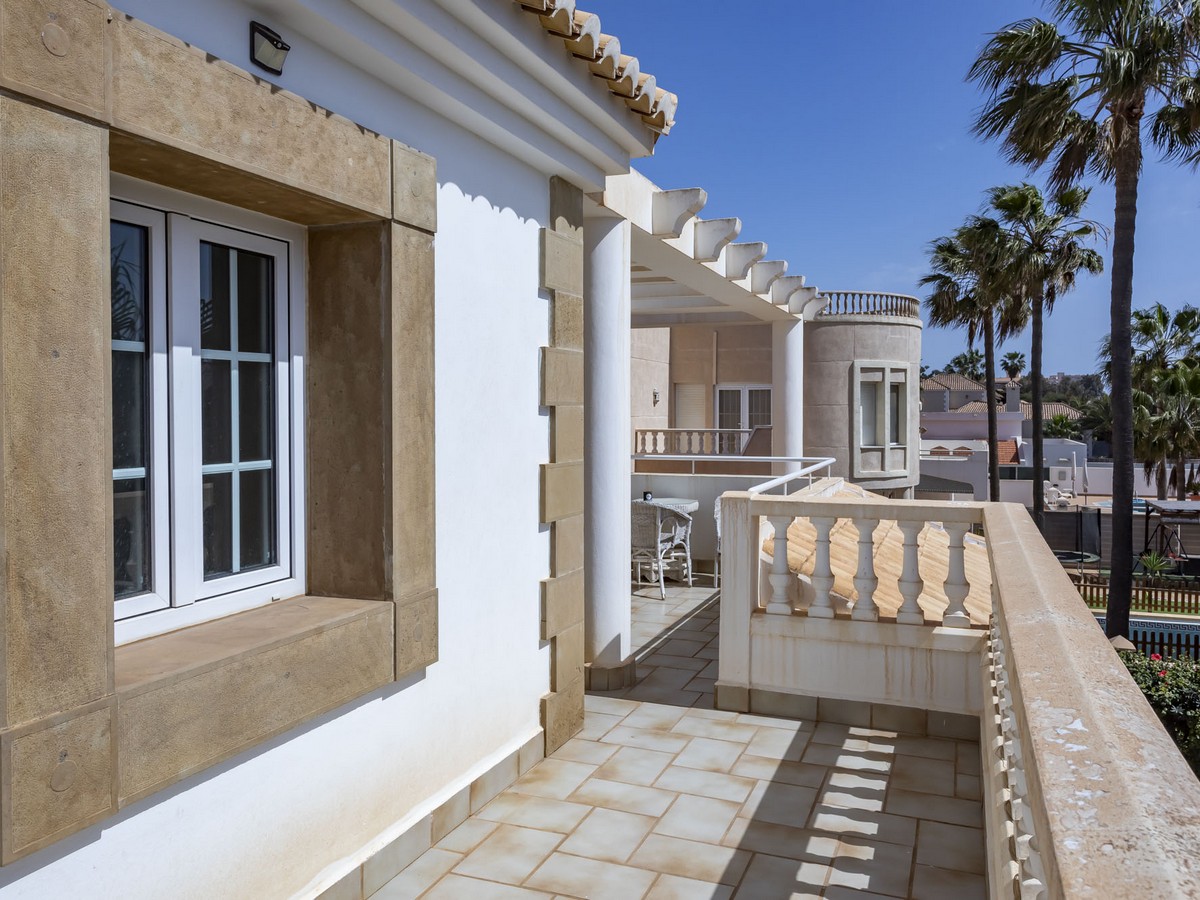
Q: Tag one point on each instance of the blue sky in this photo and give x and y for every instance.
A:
(839, 133)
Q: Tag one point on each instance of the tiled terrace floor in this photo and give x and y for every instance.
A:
(661, 796)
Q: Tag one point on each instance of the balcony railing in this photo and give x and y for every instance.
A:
(692, 441)
(870, 303)
(1084, 793)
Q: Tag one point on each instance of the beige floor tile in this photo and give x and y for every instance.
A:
(837, 892)
(633, 765)
(663, 677)
(801, 773)
(654, 717)
(702, 685)
(456, 887)
(782, 840)
(930, 806)
(775, 743)
(690, 663)
(721, 715)
(699, 726)
(612, 706)
(709, 652)
(705, 784)
(509, 854)
(922, 774)
(966, 787)
(592, 752)
(647, 739)
(698, 818)
(951, 847)
(930, 883)
(554, 778)
(419, 876)
(782, 804)
(773, 877)
(875, 825)
(646, 801)
(591, 878)
(466, 837)
(534, 812)
(608, 834)
(682, 647)
(931, 748)
(595, 725)
(760, 721)
(710, 755)
(651, 693)
(673, 887)
(839, 758)
(872, 866)
(850, 790)
(704, 862)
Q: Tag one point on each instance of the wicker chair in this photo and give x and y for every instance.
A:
(660, 535)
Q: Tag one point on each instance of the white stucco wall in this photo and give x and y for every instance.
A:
(296, 813)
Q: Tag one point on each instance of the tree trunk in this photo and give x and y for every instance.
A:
(1181, 478)
(989, 355)
(1160, 479)
(1039, 442)
(1120, 583)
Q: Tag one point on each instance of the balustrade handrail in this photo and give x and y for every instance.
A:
(870, 303)
(698, 441)
(1084, 792)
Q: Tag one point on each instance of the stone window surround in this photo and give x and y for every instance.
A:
(86, 728)
(897, 371)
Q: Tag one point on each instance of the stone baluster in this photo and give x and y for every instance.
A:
(865, 581)
(781, 576)
(822, 577)
(956, 585)
(911, 584)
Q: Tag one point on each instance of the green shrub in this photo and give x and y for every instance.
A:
(1173, 688)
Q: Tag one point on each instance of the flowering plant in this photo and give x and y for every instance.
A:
(1173, 688)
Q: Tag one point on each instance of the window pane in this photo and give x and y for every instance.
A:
(130, 278)
(218, 525)
(760, 407)
(257, 519)
(214, 296)
(894, 413)
(868, 411)
(254, 303)
(729, 408)
(131, 537)
(216, 411)
(256, 419)
(129, 409)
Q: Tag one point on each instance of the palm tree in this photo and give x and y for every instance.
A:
(1074, 91)
(1013, 364)
(968, 364)
(1060, 426)
(1047, 252)
(968, 290)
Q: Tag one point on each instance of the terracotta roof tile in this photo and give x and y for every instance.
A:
(1007, 453)
(1049, 409)
(950, 381)
(622, 73)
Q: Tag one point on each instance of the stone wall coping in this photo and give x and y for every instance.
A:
(1116, 806)
(884, 633)
(176, 655)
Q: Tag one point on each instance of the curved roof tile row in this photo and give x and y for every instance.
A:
(583, 38)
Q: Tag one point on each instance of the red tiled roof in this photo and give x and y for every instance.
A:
(1049, 410)
(1007, 453)
(950, 381)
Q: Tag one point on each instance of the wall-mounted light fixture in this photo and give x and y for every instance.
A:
(267, 49)
(656, 396)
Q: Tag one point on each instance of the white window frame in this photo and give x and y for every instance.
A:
(879, 376)
(743, 401)
(158, 481)
(188, 220)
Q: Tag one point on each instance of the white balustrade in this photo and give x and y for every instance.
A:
(911, 584)
(865, 582)
(870, 303)
(822, 577)
(691, 441)
(956, 586)
(781, 576)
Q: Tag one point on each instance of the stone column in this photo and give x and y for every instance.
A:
(787, 395)
(607, 412)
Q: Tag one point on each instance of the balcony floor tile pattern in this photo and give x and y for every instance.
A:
(662, 796)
